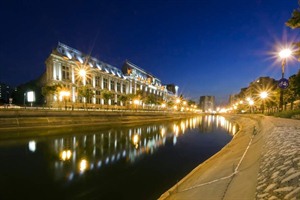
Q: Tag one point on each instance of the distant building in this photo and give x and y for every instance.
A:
(173, 89)
(207, 103)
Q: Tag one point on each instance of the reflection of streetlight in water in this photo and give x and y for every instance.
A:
(83, 165)
(135, 140)
(65, 155)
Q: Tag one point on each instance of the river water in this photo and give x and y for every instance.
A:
(129, 162)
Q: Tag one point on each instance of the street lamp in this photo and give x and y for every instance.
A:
(284, 54)
(64, 95)
(82, 73)
(136, 103)
(283, 83)
(263, 96)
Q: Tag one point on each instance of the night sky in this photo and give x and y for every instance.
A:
(206, 47)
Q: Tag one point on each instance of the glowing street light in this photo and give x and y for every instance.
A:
(284, 55)
(251, 102)
(136, 103)
(64, 95)
(263, 95)
(82, 72)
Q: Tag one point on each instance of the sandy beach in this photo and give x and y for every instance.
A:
(261, 162)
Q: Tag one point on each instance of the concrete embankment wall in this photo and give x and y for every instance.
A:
(27, 119)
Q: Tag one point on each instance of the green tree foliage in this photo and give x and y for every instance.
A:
(51, 89)
(170, 103)
(297, 83)
(106, 95)
(150, 99)
(191, 102)
(124, 98)
(290, 94)
(86, 91)
(294, 21)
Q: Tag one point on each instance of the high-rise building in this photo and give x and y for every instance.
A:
(207, 103)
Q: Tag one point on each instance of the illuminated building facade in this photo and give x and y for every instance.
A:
(75, 72)
(144, 82)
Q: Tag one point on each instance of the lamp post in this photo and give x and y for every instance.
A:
(263, 96)
(64, 95)
(283, 83)
(136, 103)
(82, 73)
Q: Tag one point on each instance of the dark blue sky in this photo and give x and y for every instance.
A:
(206, 47)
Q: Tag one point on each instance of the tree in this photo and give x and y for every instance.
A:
(191, 102)
(106, 95)
(48, 90)
(294, 22)
(150, 99)
(297, 83)
(85, 92)
(290, 93)
(51, 89)
(124, 98)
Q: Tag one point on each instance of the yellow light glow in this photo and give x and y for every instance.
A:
(285, 53)
(251, 102)
(163, 105)
(135, 140)
(163, 132)
(263, 95)
(83, 165)
(82, 72)
(177, 100)
(176, 129)
(64, 93)
(136, 101)
(184, 102)
(65, 155)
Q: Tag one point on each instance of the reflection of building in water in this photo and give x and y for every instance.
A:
(211, 122)
(80, 153)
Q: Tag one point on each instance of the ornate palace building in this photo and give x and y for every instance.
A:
(76, 72)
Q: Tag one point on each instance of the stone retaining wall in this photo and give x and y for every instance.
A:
(18, 119)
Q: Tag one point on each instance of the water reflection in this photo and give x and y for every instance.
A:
(77, 154)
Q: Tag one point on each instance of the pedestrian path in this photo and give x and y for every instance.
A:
(279, 173)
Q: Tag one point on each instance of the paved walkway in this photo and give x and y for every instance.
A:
(279, 174)
(260, 163)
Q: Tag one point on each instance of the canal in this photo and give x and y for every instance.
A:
(129, 162)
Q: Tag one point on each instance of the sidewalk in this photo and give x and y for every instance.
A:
(259, 163)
